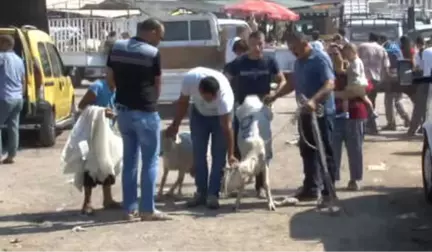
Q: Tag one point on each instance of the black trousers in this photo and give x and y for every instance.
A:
(312, 165)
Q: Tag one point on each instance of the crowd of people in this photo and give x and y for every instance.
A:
(339, 76)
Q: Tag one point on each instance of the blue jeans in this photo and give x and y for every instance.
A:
(312, 166)
(350, 132)
(9, 119)
(202, 127)
(140, 131)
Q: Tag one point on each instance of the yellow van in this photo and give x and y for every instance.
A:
(49, 104)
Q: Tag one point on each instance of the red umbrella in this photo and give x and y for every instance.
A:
(273, 10)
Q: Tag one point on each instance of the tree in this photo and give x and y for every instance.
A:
(24, 12)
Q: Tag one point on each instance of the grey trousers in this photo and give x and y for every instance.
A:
(392, 100)
(351, 133)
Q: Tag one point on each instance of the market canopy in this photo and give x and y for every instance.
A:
(261, 7)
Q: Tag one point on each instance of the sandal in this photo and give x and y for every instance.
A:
(155, 216)
(132, 216)
(87, 210)
(8, 161)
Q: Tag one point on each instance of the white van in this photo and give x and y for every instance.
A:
(357, 31)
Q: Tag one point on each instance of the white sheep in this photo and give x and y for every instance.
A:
(253, 151)
(177, 154)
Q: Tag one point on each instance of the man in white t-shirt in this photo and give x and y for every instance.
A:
(212, 104)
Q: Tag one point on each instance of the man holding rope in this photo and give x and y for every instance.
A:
(314, 79)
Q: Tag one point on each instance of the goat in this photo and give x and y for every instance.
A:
(253, 151)
(177, 154)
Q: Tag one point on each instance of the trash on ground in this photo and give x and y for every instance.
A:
(14, 241)
(292, 142)
(380, 167)
(78, 229)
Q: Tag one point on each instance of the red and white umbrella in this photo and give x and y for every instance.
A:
(261, 7)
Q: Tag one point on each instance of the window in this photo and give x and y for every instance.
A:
(46, 67)
(176, 30)
(55, 60)
(200, 30)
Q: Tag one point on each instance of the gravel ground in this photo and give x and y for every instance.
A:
(39, 207)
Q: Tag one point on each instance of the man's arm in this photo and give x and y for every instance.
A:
(109, 71)
(285, 89)
(226, 105)
(157, 72)
(278, 75)
(326, 76)
(183, 100)
(227, 127)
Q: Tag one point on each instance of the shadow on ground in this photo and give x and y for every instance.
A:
(395, 219)
(388, 136)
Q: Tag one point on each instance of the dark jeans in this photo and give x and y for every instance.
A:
(312, 166)
(202, 128)
(349, 132)
(9, 120)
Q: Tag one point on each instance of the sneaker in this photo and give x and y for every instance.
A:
(323, 201)
(212, 202)
(155, 216)
(303, 195)
(197, 200)
(353, 186)
(389, 127)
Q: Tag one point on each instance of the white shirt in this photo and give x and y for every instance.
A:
(224, 102)
(229, 54)
(427, 61)
(317, 45)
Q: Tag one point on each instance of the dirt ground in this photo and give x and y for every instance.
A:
(39, 207)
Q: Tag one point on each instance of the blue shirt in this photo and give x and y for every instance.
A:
(311, 73)
(104, 96)
(253, 76)
(394, 53)
(12, 72)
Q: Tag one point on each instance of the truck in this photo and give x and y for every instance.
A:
(190, 41)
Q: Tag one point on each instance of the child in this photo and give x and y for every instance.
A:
(102, 94)
(357, 81)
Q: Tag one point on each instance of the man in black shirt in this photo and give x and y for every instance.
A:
(135, 70)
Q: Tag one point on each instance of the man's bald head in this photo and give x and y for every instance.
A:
(151, 30)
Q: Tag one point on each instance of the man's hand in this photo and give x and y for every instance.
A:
(310, 105)
(269, 99)
(171, 131)
(232, 160)
(109, 113)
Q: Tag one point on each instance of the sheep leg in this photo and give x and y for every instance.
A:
(270, 202)
(239, 195)
(181, 180)
(163, 181)
(176, 184)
